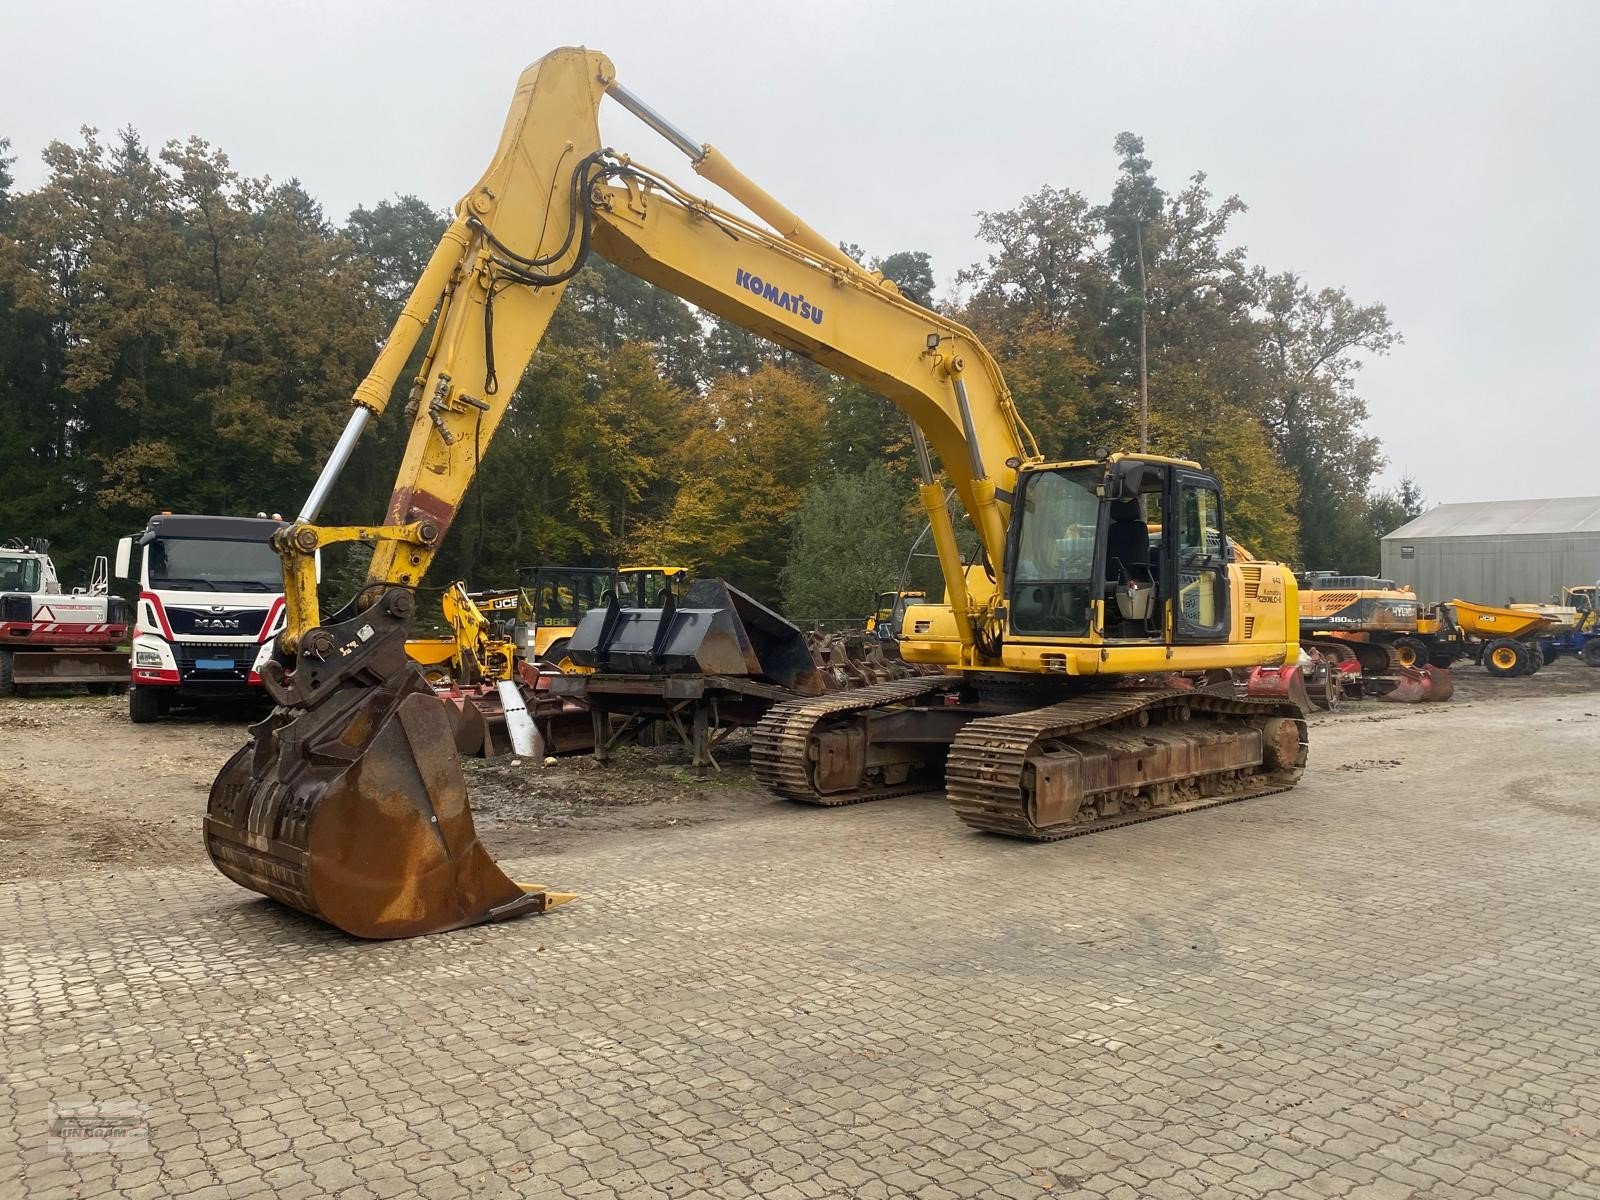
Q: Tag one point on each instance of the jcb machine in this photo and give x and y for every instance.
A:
(886, 619)
(349, 802)
(472, 652)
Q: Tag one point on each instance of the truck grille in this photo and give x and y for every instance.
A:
(189, 654)
(235, 622)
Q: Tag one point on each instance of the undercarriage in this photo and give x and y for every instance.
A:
(1038, 762)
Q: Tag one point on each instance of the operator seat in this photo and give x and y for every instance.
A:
(1127, 543)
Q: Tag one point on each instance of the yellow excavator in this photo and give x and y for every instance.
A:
(1061, 710)
(472, 652)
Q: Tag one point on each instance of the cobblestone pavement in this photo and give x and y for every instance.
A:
(1380, 985)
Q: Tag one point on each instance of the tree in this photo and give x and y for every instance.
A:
(1045, 269)
(1135, 203)
(1312, 347)
(175, 334)
(851, 534)
(1386, 512)
(753, 447)
(396, 237)
(912, 272)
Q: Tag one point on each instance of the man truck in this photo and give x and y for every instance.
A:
(210, 602)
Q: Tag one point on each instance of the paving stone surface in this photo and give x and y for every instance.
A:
(1383, 984)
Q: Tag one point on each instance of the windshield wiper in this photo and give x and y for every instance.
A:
(246, 585)
(181, 584)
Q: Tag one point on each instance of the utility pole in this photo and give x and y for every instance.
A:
(1144, 366)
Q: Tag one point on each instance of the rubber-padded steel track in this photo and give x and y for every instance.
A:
(781, 741)
(985, 774)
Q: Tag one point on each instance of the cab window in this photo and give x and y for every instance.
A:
(1201, 556)
(1054, 551)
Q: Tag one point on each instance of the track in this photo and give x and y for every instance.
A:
(780, 743)
(986, 773)
(988, 777)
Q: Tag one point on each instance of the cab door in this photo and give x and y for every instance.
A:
(1197, 558)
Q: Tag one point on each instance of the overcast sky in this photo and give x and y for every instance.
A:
(1438, 157)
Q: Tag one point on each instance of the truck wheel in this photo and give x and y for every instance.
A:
(1591, 652)
(144, 705)
(7, 687)
(1410, 651)
(1505, 657)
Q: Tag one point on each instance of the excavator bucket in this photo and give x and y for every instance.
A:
(1418, 685)
(350, 803)
(1280, 683)
(714, 630)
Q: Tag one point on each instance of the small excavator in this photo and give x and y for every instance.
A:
(1065, 706)
(471, 652)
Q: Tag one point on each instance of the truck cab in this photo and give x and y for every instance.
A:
(49, 635)
(210, 603)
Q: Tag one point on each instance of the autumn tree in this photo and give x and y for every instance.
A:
(175, 334)
(851, 534)
(741, 471)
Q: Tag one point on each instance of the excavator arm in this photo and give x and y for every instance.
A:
(350, 802)
(552, 196)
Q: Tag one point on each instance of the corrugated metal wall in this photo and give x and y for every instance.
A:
(1493, 570)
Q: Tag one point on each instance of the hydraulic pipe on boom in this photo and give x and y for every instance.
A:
(350, 804)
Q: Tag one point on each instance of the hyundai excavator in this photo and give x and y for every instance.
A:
(1061, 710)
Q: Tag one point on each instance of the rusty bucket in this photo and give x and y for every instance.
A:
(1418, 685)
(350, 804)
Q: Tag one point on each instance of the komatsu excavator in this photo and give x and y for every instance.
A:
(1061, 710)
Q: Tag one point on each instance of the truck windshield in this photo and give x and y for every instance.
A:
(19, 575)
(1053, 577)
(213, 565)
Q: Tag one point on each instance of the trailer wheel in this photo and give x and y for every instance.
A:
(144, 705)
(1591, 652)
(1505, 657)
(7, 687)
(1410, 651)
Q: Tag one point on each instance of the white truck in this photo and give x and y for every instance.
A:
(210, 603)
(49, 635)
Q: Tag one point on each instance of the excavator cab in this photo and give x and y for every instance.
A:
(648, 587)
(551, 602)
(1087, 564)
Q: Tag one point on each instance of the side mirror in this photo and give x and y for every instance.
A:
(124, 557)
(1127, 479)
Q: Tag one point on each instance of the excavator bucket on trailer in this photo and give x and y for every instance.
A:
(715, 630)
